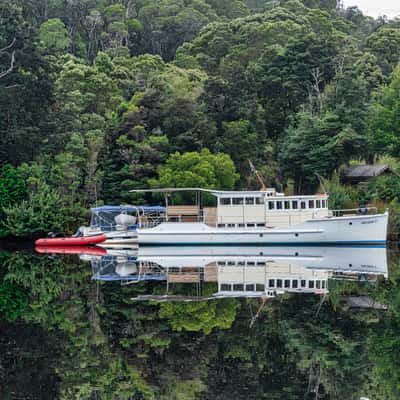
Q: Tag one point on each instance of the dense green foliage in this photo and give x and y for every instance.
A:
(98, 96)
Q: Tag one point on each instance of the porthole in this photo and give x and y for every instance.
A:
(296, 234)
(350, 223)
(261, 234)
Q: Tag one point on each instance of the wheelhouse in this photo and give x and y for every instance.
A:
(269, 208)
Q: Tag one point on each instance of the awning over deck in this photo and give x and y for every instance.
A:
(128, 208)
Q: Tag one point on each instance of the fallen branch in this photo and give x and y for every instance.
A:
(11, 67)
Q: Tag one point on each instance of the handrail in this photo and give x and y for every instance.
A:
(356, 209)
(359, 210)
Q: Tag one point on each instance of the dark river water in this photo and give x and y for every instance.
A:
(200, 323)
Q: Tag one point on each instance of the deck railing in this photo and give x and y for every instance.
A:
(280, 219)
(353, 211)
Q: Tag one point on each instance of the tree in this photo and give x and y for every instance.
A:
(54, 36)
(384, 43)
(197, 169)
(239, 141)
(200, 316)
(13, 189)
(316, 145)
(26, 89)
(384, 126)
(40, 213)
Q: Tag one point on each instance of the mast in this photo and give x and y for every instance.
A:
(258, 175)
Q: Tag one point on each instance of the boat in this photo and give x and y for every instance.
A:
(119, 223)
(81, 250)
(263, 217)
(71, 241)
(248, 271)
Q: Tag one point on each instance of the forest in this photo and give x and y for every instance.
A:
(98, 97)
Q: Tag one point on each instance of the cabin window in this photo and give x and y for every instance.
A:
(271, 205)
(231, 263)
(279, 283)
(261, 224)
(287, 205)
(294, 284)
(221, 225)
(302, 205)
(259, 200)
(238, 287)
(230, 225)
(324, 204)
(318, 204)
(287, 283)
(294, 204)
(250, 225)
(241, 263)
(271, 283)
(262, 263)
(260, 287)
(251, 263)
(303, 283)
(249, 287)
(311, 284)
(310, 203)
(226, 287)
(225, 201)
(279, 205)
(323, 284)
(318, 284)
(241, 225)
(250, 201)
(237, 201)
(221, 262)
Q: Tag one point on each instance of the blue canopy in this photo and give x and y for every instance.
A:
(128, 208)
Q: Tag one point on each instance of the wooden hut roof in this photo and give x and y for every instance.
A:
(365, 171)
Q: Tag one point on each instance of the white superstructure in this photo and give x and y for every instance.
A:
(267, 217)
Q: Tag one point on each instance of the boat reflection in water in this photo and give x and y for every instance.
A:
(241, 271)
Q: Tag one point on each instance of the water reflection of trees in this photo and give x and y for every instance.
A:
(95, 342)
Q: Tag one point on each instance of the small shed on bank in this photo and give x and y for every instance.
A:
(363, 173)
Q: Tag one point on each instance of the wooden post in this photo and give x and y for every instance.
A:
(166, 206)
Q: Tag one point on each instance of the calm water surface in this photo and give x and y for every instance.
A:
(200, 323)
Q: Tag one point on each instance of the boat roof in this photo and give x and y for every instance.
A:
(231, 193)
(198, 189)
(128, 208)
(136, 278)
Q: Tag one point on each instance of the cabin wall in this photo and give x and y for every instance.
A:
(241, 214)
(234, 278)
(291, 218)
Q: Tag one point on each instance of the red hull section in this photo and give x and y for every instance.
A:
(71, 241)
(93, 251)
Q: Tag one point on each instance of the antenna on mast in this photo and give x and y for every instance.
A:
(259, 177)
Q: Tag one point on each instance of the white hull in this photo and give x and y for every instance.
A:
(363, 229)
(114, 238)
(370, 259)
